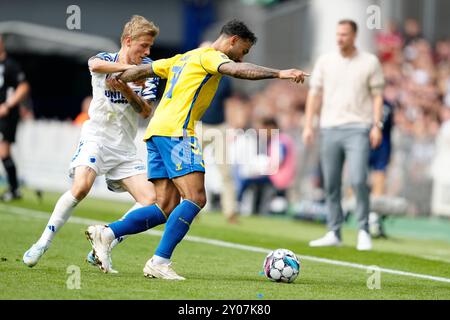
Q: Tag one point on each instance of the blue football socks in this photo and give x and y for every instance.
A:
(176, 228)
(139, 220)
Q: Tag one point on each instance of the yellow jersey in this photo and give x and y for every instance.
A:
(192, 81)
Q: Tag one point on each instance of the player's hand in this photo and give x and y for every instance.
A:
(109, 83)
(117, 85)
(308, 136)
(376, 137)
(294, 75)
(4, 110)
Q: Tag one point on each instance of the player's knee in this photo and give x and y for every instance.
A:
(165, 204)
(79, 194)
(172, 205)
(80, 190)
(199, 199)
(147, 200)
(201, 202)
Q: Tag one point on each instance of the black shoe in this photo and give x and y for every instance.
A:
(9, 196)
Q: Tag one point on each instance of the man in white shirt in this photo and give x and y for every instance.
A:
(107, 139)
(349, 83)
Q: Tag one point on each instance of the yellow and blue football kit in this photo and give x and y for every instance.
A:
(192, 81)
(173, 149)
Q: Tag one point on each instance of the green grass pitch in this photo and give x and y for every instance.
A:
(212, 271)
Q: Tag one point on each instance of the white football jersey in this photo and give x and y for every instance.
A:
(113, 122)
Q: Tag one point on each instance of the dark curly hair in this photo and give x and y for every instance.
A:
(238, 28)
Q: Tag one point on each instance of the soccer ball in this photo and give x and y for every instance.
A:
(281, 265)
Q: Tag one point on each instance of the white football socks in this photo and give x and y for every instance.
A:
(108, 234)
(156, 260)
(61, 213)
(115, 242)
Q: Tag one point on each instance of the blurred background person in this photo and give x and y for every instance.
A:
(282, 169)
(412, 31)
(84, 114)
(388, 42)
(350, 85)
(266, 167)
(378, 163)
(14, 89)
(238, 113)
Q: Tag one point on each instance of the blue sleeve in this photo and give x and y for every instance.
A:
(151, 84)
(105, 56)
(151, 88)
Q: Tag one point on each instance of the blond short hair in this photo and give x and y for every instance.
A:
(139, 26)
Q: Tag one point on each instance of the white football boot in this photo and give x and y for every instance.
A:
(364, 241)
(101, 247)
(32, 256)
(90, 258)
(160, 271)
(329, 240)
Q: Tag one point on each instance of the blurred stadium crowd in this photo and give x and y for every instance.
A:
(417, 85)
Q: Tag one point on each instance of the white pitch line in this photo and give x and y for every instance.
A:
(30, 213)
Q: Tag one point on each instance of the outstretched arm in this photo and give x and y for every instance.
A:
(137, 73)
(254, 72)
(98, 65)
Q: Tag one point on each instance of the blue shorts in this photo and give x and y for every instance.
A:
(172, 157)
(379, 158)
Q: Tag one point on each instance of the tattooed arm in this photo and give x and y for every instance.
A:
(254, 72)
(137, 73)
(139, 105)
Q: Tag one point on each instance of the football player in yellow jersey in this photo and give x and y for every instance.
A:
(175, 163)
